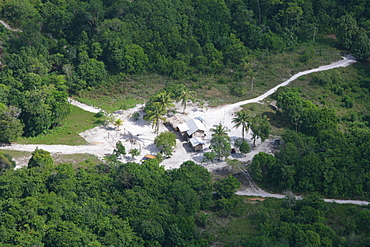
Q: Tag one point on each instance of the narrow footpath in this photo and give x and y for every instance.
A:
(221, 114)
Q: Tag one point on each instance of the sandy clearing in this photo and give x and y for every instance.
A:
(139, 134)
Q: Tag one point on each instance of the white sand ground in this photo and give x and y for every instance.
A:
(139, 134)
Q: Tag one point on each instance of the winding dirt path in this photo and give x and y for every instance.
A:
(102, 140)
(9, 28)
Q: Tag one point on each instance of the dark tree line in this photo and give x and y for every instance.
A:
(317, 155)
(117, 204)
(129, 204)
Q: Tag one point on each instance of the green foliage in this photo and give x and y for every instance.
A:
(6, 162)
(185, 96)
(220, 146)
(209, 157)
(67, 46)
(68, 133)
(306, 116)
(41, 158)
(311, 164)
(219, 130)
(89, 45)
(119, 150)
(198, 178)
(262, 165)
(261, 128)
(347, 30)
(10, 127)
(117, 123)
(244, 147)
(226, 188)
(134, 152)
(361, 46)
(242, 119)
(155, 109)
(166, 141)
(136, 116)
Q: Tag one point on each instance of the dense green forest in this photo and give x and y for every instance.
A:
(131, 204)
(66, 46)
(322, 151)
(62, 48)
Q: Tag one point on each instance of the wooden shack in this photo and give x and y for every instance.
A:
(197, 143)
(175, 121)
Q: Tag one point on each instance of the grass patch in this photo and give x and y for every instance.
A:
(67, 134)
(235, 231)
(16, 154)
(268, 68)
(332, 88)
(109, 103)
(77, 160)
(123, 92)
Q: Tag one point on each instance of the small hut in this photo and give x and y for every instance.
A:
(197, 143)
(175, 121)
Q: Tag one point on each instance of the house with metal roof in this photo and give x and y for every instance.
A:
(192, 128)
(197, 143)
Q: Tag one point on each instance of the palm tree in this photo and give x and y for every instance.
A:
(185, 96)
(155, 115)
(118, 122)
(242, 119)
(261, 128)
(164, 101)
(220, 130)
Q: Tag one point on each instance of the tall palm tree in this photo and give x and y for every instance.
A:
(220, 130)
(261, 128)
(242, 119)
(155, 115)
(164, 101)
(185, 96)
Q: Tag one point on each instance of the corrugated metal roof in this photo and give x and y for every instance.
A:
(194, 125)
(195, 141)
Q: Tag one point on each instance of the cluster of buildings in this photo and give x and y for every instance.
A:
(192, 131)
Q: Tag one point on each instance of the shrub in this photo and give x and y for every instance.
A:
(166, 141)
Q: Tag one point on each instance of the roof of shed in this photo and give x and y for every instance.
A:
(195, 141)
(194, 125)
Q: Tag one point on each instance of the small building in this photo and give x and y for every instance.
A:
(192, 128)
(197, 143)
(175, 121)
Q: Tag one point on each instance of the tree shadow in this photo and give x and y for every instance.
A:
(198, 159)
(275, 119)
(139, 122)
